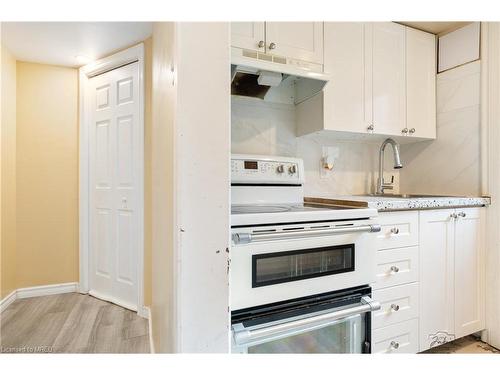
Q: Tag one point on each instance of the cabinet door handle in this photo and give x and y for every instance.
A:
(272, 45)
(412, 130)
(395, 307)
(404, 131)
(394, 344)
(394, 269)
(370, 128)
(261, 44)
(462, 214)
(453, 215)
(395, 230)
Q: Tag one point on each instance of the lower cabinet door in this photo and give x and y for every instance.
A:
(398, 304)
(396, 338)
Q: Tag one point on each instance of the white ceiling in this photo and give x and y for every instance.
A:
(58, 43)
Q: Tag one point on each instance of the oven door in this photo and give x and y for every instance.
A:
(343, 329)
(297, 263)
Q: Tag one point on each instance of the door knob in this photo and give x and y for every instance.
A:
(453, 215)
(261, 44)
(272, 45)
(395, 230)
(462, 214)
(395, 307)
(394, 344)
(412, 130)
(404, 131)
(394, 269)
(370, 128)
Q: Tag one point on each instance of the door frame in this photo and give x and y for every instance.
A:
(117, 60)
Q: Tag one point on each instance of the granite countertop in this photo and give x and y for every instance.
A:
(395, 203)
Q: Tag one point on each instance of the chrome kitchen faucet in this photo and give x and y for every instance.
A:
(397, 164)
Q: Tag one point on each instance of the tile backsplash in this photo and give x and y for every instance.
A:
(260, 127)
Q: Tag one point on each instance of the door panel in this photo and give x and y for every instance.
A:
(248, 35)
(114, 178)
(347, 58)
(469, 299)
(389, 78)
(421, 83)
(437, 241)
(296, 40)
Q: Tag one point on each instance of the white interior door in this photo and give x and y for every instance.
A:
(115, 181)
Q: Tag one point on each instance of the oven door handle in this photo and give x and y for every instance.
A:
(244, 336)
(244, 238)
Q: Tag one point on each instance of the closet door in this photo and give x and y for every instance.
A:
(389, 78)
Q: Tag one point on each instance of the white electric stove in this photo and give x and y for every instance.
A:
(269, 190)
(300, 273)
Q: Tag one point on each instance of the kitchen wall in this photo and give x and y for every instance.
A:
(8, 174)
(262, 127)
(47, 175)
(451, 164)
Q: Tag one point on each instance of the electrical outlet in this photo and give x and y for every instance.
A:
(329, 155)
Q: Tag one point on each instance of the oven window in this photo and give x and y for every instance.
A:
(282, 267)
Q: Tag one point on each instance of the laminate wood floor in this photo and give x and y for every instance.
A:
(465, 345)
(71, 323)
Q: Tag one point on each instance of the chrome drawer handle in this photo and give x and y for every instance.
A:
(395, 307)
(394, 344)
(394, 269)
(453, 215)
(462, 214)
(395, 230)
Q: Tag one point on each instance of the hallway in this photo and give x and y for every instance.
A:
(71, 323)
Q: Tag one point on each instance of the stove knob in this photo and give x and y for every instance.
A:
(292, 169)
(280, 169)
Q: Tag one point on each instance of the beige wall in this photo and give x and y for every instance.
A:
(8, 174)
(47, 174)
(162, 173)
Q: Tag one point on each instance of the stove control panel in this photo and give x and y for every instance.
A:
(257, 169)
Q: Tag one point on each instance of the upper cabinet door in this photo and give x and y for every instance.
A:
(420, 83)
(389, 78)
(469, 271)
(248, 35)
(348, 97)
(297, 40)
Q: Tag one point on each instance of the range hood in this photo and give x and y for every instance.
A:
(253, 74)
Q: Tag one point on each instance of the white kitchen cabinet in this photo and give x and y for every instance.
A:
(451, 298)
(382, 83)
(348, 62)
(389, 76)
(420, 84)
(248, 35)
(301, 41)
(469, 271)
(296, 40)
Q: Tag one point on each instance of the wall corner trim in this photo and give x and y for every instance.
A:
(7, 300)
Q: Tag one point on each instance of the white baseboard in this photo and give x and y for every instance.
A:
(150, 328)
(37, 291)
(7, 300)
(46, 290)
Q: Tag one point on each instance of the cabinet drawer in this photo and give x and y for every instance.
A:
(398, 303)
(398, 229)
(396, 267)
(396, 338)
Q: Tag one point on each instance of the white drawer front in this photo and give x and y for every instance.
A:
(398, 303)
(396, 267)
(398, 229)
(396, 338)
